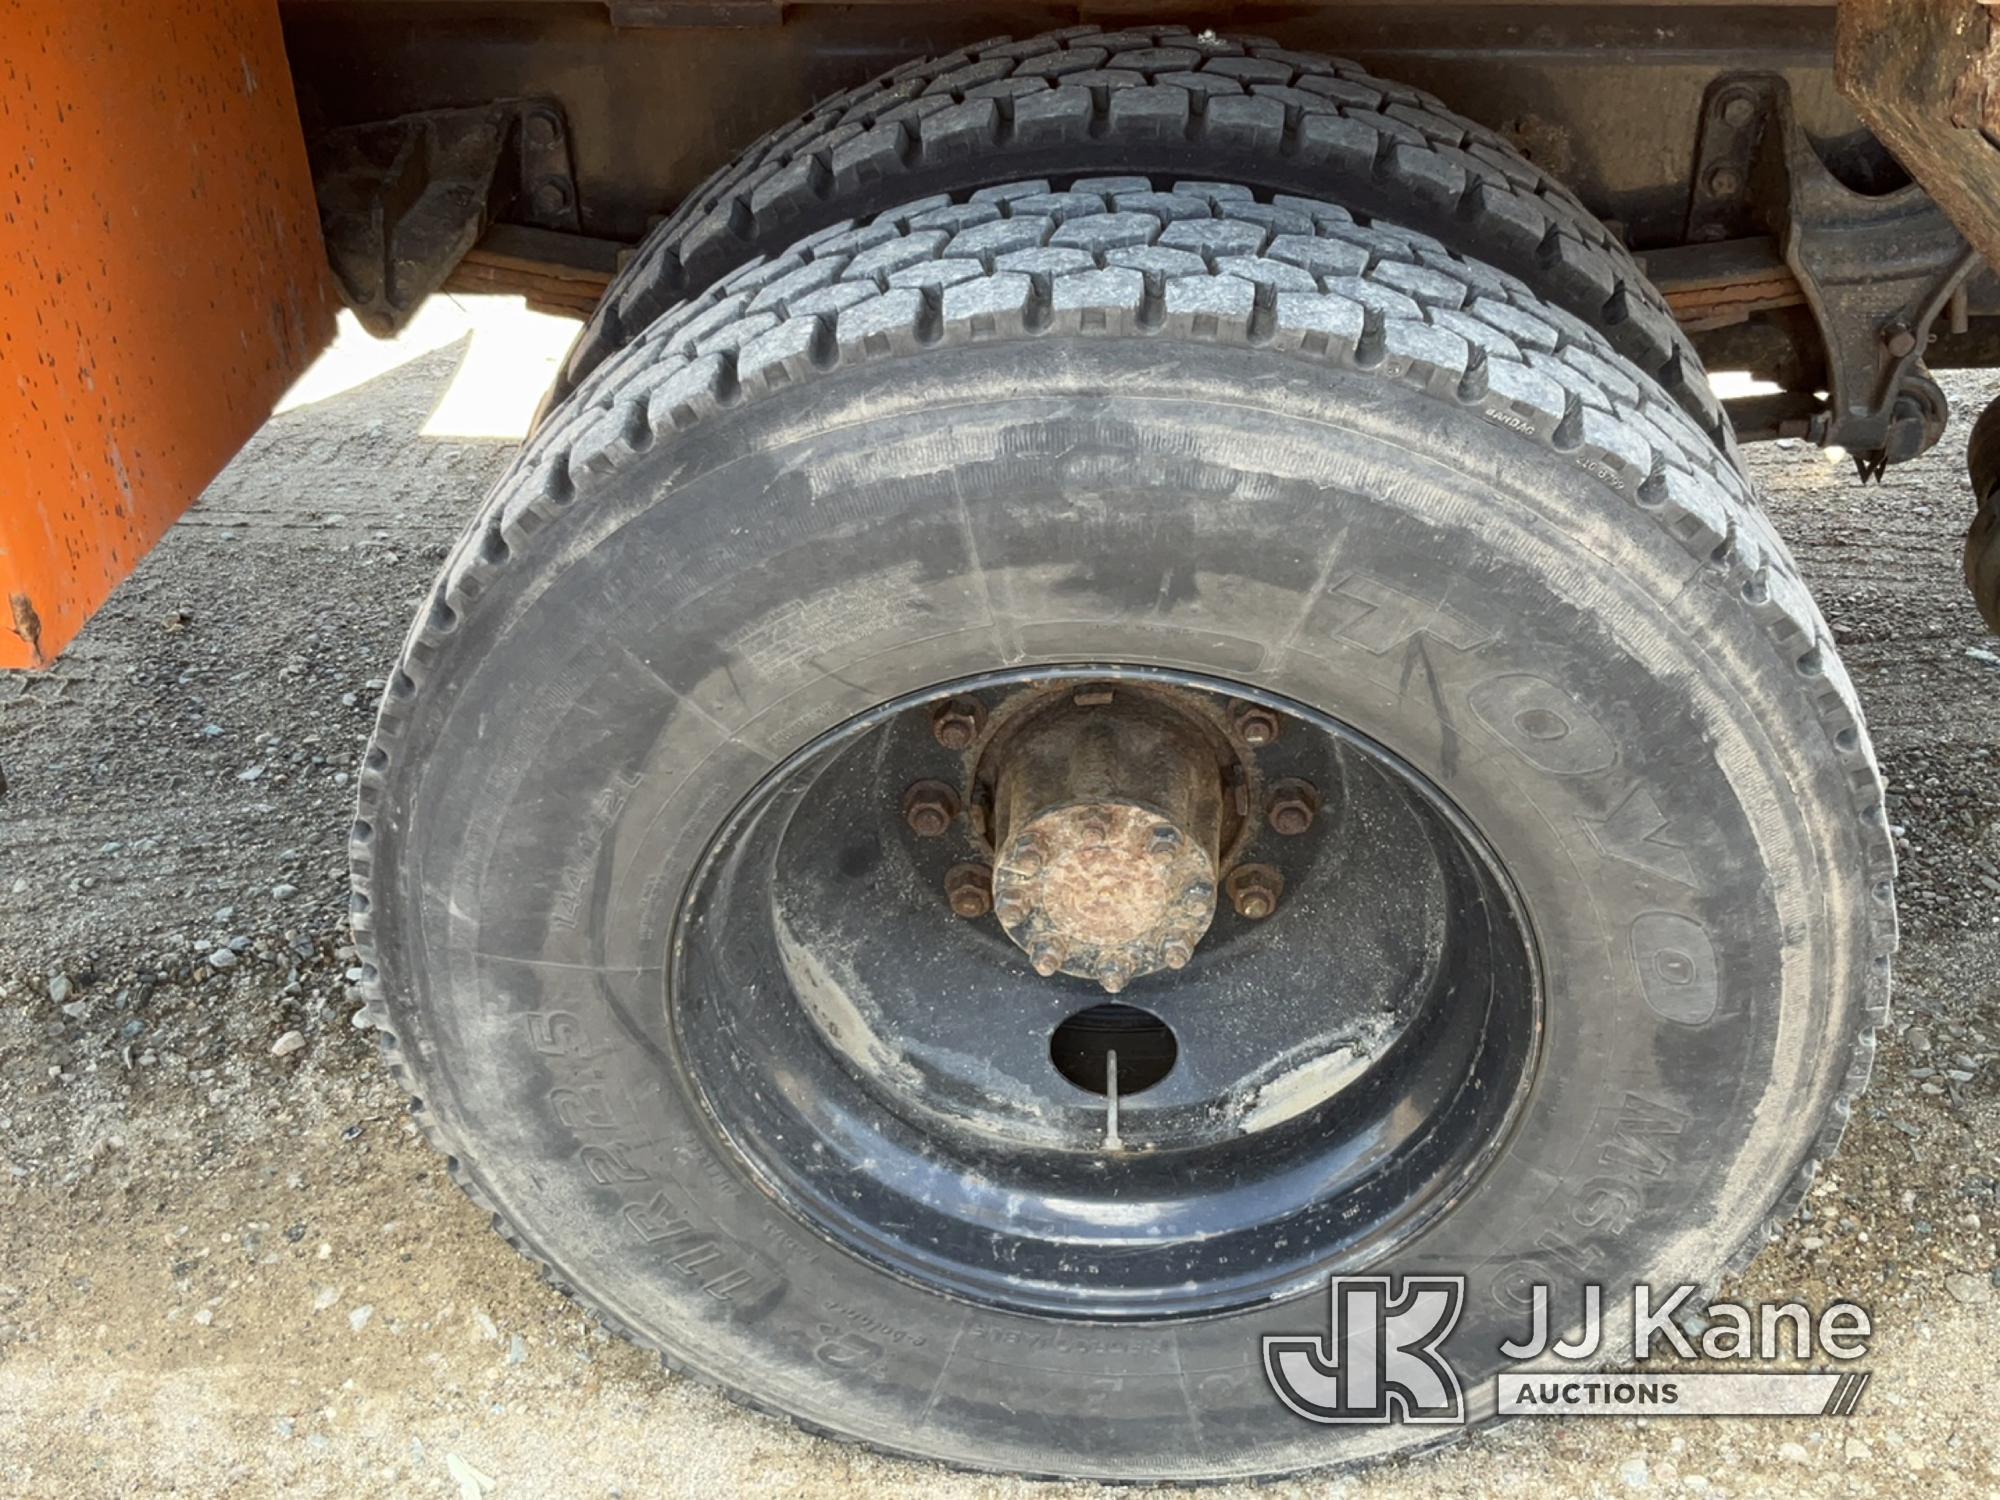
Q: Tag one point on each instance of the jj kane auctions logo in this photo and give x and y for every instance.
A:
(1382, 1358)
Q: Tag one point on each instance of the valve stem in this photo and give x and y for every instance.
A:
(1111, 1139)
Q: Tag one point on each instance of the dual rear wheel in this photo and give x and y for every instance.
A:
(998, 794)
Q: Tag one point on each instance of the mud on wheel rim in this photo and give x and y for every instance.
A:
(1302, 1094)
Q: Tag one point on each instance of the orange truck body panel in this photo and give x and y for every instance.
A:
(161, 281)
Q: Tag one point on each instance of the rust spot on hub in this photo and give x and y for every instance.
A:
(1108, 814)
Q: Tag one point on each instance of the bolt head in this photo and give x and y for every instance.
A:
(929, 807)
(1725, 182)
(1257, 724)
(1899, 339)
(1738, 110)
(1294, 805)
(1047, 958)
(541, 130)
(969, 889)
(1011, 909)
(1176, 955)
(956, 722)
(1026, 856)
(1254, 891)
(1113, 978)
(550, 197)
(1166, 839)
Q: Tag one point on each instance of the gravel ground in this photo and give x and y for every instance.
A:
(227, 1265)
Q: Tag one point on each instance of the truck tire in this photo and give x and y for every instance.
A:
(654, 925)
(1167, 104)
(1982, 536)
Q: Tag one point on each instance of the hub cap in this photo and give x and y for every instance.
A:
(1108, 817)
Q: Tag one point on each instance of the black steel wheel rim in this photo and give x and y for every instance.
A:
(906, 1084)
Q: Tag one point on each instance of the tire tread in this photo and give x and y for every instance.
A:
(1099, 92)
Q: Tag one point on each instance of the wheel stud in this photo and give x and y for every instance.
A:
(956, 722)
(969, 889)
(1294, 805)
(1257, 724)
(1254, 891)
(929, 807)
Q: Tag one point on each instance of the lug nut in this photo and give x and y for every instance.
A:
(1294, 805)
(1011, 909)
(1254, 891)
(1257, 724)
(929, 807)
(1027, 856)
(1048, 957)
(1166, 839)
(1176, 955)
(956, 722)
(969, 889)
(1113, 978)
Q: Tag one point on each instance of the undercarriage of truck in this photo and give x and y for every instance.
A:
(1131, 665)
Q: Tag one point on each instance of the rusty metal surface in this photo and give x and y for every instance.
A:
(1110, 811)
(552, 273)
(1919, 72)
(1876, 269)
(1716, 285)
(1255, 890)
(161, 282)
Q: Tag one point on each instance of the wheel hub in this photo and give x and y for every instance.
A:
(1323, 1061)
(1108, 813)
